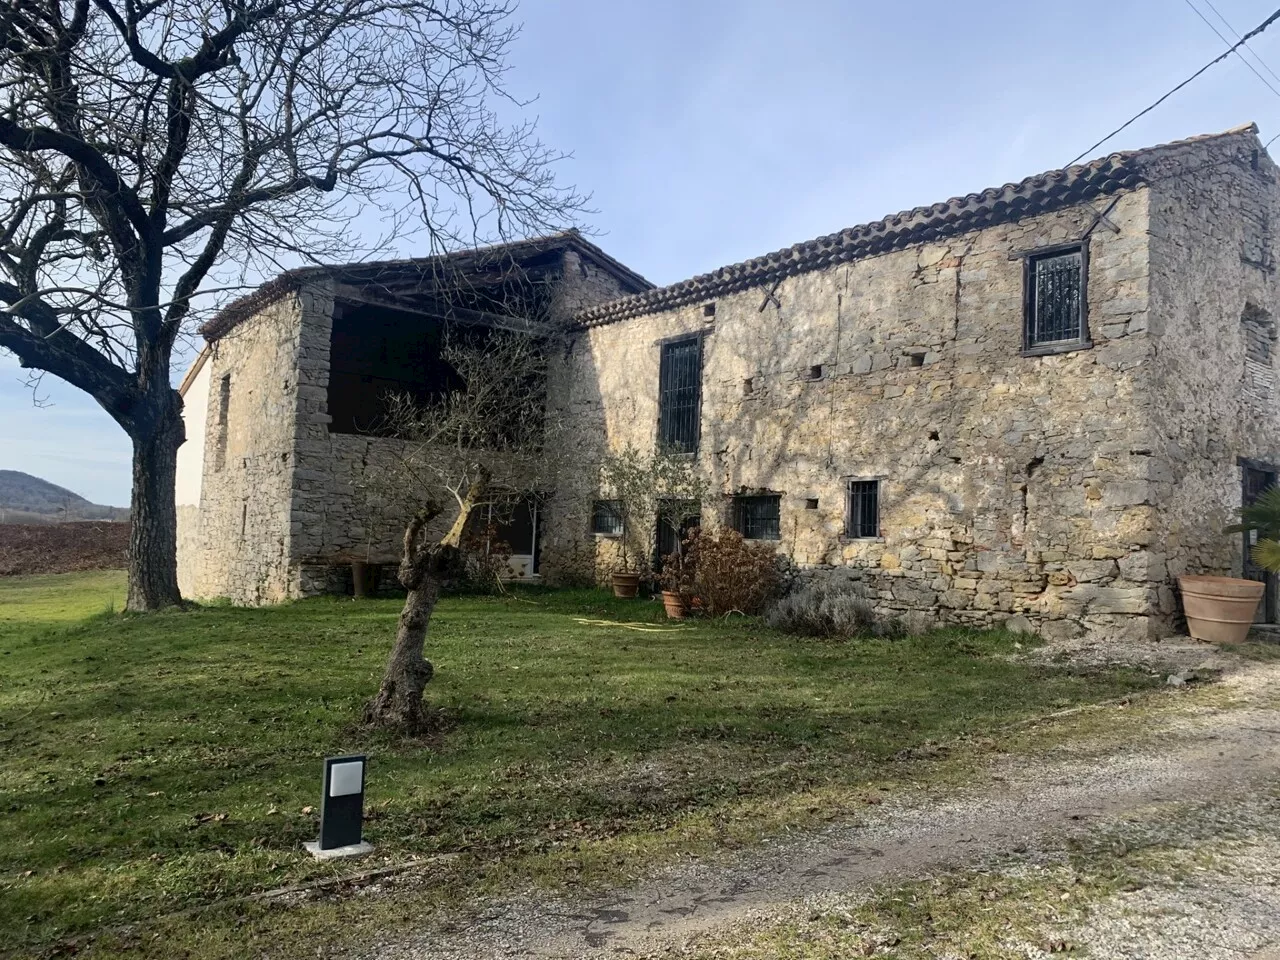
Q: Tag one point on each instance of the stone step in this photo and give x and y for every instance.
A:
(1264, 633)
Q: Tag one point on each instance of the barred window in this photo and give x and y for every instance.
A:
(680, 395)
(757, 517)
(862, 510)
(606, 517)
(1055, 298)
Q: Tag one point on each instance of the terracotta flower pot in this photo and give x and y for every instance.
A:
(626, 585)
(1220, 609)
(674, 604)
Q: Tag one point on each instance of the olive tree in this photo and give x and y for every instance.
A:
(666, 486)
(155, 154)
(487, 442)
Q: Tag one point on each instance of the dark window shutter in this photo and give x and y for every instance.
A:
(680, 395)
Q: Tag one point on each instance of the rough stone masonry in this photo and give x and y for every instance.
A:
(1056, 479)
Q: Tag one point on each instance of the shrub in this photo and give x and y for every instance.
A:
(832, 609)
(731, 575)
(483, 563)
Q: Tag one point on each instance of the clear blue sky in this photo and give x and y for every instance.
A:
(709, 132)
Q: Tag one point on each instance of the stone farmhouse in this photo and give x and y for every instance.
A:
(1035, 405)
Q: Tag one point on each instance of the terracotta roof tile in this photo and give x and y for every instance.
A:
(1052, 190)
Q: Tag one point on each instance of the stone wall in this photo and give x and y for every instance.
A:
(332, 521)
(1010, 486)
(1214, 296)
(1057, 493)
(241, 550)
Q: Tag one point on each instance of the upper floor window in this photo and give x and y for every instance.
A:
(680, 395)
(862, 509)
(1055, 283)
(757, 517)
(220, 425)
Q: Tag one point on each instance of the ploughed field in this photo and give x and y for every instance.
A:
(155, 763)
(33, 548)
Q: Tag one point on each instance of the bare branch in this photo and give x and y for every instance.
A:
(156, 152)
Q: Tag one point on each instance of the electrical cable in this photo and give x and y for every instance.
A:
(1226, 23)
(1218, 59)
(1209, 23)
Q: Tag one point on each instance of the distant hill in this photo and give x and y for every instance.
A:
(28, 499)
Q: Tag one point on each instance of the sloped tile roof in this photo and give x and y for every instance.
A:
(1042, 193)
(413, 270)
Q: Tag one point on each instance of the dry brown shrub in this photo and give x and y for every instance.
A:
(731, 574)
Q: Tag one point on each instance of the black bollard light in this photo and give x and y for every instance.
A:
(341, 809)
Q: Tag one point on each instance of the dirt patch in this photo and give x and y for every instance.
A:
(62, 547)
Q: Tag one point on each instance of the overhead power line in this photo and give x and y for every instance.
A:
(1240, 55)
(1218, 59)
(1232, 30)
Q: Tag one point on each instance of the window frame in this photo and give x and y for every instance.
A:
(595, 513)
(737, 516)
(663, 346)
(849, 534)
(1030, 258)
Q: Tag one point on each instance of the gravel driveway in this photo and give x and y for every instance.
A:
(1197, 798)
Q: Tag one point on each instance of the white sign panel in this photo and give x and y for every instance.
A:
(346, 778)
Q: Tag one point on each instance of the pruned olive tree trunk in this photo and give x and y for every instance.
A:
(490, 442)
(425, 565)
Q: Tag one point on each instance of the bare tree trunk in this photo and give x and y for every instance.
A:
(398, 704)
(153, 532)
(423, 567)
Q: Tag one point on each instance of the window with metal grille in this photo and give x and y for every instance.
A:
(757, 517)
(675, 519)
(606, 517)
(862, 514)
(680, 395)
(1055, 298)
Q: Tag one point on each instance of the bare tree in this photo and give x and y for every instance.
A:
(156, 152)
(488, 442)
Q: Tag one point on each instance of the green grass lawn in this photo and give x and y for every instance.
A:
(157, 762)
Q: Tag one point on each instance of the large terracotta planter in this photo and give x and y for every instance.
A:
(1220, 609)
(674, 605)
(626, 585)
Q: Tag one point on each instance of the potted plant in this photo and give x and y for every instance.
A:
(625, 478)
(679, 578)
(1221, 609)
(667, 486)
(626, 583)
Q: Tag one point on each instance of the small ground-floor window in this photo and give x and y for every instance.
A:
(516, 525)
(606, 518)
(862, 512)
(757, 517)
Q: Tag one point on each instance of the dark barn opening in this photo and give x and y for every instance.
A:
(376, 352)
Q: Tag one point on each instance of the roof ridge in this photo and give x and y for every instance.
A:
(1051, 189)
(290, 280)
